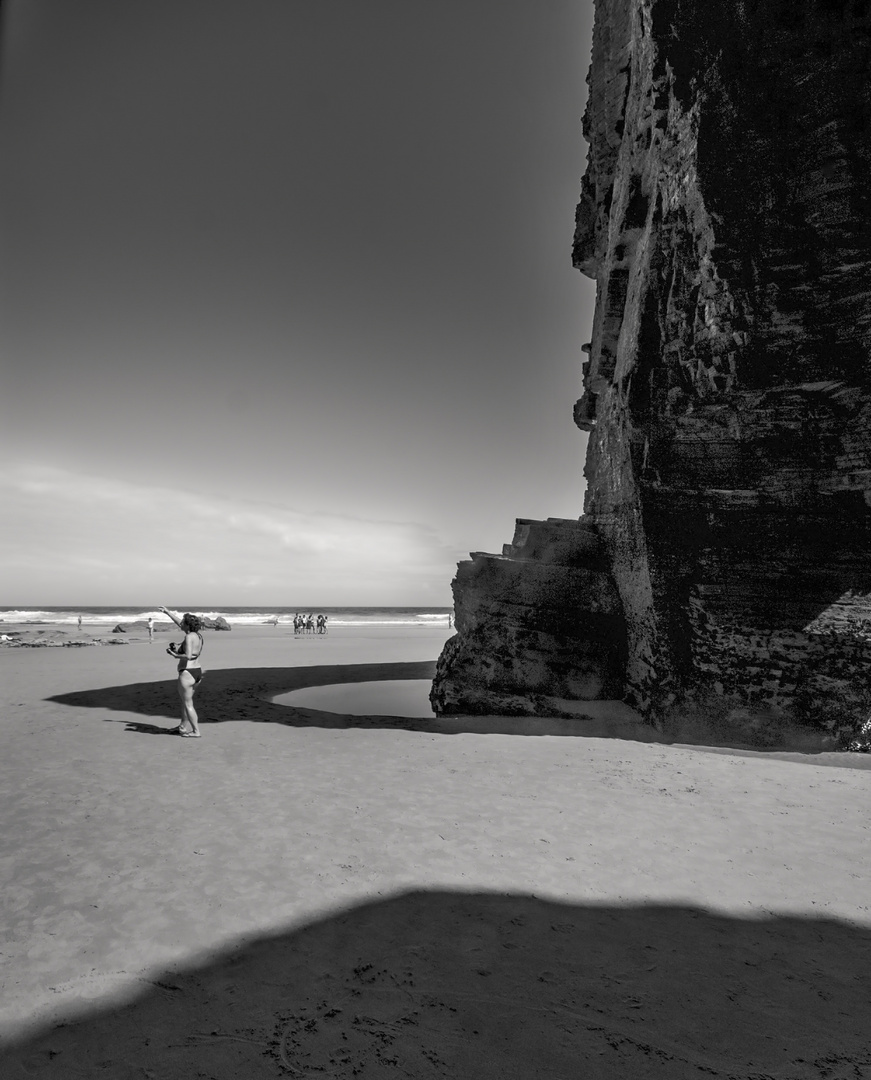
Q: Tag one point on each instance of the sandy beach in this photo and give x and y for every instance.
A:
(310, 894)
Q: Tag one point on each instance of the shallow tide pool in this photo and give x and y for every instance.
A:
(394, 697)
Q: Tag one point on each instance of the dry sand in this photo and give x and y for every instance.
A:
(301, 894)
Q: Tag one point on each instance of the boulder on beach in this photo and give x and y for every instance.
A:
(119, 629)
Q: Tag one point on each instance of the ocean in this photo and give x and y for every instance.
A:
(241, 616)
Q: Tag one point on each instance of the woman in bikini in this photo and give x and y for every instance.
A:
(189, 670)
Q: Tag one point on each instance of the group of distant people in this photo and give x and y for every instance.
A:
(310, 624)
(305, 624)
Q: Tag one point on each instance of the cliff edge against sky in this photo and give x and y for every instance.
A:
(724, 215)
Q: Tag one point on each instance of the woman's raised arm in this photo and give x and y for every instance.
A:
(171, 614)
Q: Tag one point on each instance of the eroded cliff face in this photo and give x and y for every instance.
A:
(727, 385)
(540, 627)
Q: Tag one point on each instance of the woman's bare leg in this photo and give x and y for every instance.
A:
(186, 687)
(182, 694)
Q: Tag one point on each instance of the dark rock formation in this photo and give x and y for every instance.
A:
(727, 392)
(39, 639)
(540, 627)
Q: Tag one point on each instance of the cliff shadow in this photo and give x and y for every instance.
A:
(244, 694)
(481, 985)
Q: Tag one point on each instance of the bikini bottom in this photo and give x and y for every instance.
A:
(195, 673)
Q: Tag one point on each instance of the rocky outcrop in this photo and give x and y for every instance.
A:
(52, 639)
(539, 627)
(218, 623)
(727, 385)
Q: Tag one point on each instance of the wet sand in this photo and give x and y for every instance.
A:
(309, 894)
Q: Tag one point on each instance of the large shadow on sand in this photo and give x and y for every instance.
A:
(233, 694)
(244, 694)
(480, 986)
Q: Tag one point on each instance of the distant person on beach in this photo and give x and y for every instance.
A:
(310, 624)
(150, 625)
(80, 624)
(190, 673)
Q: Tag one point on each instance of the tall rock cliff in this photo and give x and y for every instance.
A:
(726, 217)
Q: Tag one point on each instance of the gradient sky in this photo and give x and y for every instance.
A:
(287, 310)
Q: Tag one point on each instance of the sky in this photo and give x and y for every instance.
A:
(287, 310)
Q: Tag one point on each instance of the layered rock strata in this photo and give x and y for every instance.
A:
(727, 384)
(539, 627)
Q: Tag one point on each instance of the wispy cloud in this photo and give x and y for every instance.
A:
(130, 538)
